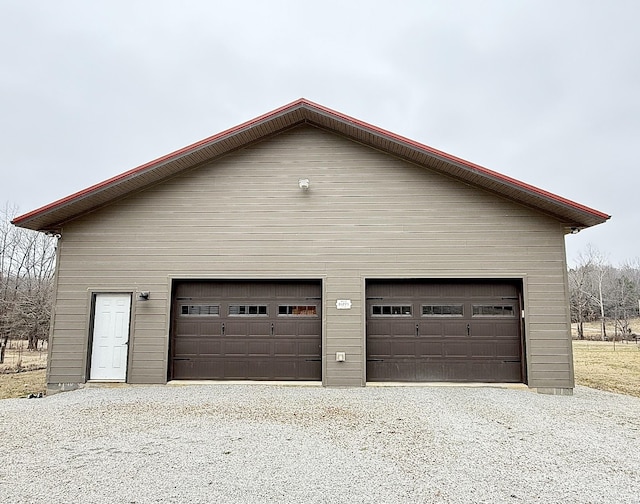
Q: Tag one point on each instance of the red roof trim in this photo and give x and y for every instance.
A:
(302, 102)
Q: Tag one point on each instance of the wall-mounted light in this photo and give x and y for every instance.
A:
(143, 296)
(303, 184)
(575, 230)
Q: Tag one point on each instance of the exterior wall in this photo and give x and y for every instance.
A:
(366, 215)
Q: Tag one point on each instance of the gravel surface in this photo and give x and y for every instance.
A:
(261, 443)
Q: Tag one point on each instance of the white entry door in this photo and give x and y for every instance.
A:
(110, 337)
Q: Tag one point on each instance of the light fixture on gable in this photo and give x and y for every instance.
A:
(303, 184)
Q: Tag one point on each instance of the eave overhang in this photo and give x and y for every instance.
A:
(52, 217)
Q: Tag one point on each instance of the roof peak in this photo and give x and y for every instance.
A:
(303, 110)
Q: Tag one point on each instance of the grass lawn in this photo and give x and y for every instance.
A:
(598, 365)
(22, 384)
(31, 378)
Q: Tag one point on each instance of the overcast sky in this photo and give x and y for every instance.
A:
(545, 91)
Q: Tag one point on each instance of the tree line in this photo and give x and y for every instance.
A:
(605, 293)
(27, 264)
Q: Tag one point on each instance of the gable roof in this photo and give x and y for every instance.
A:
(52, 217)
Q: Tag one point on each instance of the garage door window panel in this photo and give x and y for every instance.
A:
(443, 310)
(200, 310)
(297, 311)
(493, 311)
(391, 311)
(236, 310)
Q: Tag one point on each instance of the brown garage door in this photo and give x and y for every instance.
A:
(444, 331)
(240, 330)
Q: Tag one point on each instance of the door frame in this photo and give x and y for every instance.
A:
(93, 294)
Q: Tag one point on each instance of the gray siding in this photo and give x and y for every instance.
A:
(366, 215)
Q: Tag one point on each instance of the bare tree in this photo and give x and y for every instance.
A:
(581, 295)
(601, 275)
(27, 262)
(601, 291)
(587, 284)
(623, 304)
(625, 297)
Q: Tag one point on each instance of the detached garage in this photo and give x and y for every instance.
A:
(306, 245)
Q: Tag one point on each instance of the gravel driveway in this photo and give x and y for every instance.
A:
(261, 443)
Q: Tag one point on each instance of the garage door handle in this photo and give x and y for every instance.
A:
(375, 360)
(222, 330)
(417, 331)
(271, 329)
(314, 360)
(468, 329)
